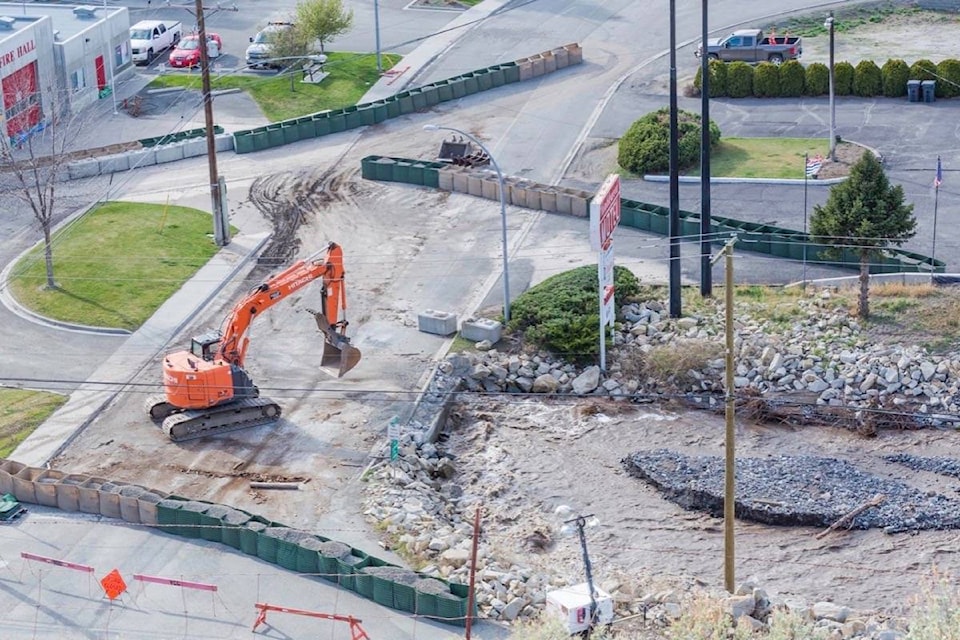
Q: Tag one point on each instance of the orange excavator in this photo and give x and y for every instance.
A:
(207, 390)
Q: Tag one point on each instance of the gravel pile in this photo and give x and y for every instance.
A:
(941, 466)
(334, 549)
(393, 574)
(794, 491)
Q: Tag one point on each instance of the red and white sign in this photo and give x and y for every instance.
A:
(605, 212)
(607, 310)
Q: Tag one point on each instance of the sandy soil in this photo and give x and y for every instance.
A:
(527, 457)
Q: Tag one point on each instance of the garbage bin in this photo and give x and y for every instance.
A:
(929, 90)
(913, 91)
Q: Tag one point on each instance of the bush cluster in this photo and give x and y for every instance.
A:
(645, 147)
(792, 79)
(561, 313)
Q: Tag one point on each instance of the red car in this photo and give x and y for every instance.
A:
(187, 53)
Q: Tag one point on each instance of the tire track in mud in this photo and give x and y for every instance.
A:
(290, 200)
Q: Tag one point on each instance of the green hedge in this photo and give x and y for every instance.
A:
(792, 79)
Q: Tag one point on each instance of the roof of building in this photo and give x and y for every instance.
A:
(68, 20)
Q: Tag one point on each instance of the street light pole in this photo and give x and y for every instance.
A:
(376, 28)
(829, 24)
(503, 210)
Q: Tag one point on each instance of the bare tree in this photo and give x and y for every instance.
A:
(34, 151)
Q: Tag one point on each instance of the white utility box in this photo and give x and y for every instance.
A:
(571, 605)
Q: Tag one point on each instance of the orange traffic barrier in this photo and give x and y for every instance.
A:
(356, 631)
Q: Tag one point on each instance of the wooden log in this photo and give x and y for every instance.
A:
(875, 501)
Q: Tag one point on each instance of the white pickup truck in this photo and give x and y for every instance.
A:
(150, 37)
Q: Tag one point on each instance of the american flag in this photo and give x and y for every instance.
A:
(814, 164)
(939, 179)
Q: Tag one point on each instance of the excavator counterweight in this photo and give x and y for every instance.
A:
(208, 391)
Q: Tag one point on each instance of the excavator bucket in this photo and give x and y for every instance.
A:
(337, 360)
(339, 356)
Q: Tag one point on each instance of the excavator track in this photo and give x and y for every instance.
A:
(242, 414)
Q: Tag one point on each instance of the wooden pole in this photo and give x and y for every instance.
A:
(729, 494)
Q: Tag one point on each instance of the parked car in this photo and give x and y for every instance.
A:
(260, 50)
(187, 53)
(751, 45)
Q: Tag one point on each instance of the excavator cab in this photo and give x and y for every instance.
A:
(205, 346)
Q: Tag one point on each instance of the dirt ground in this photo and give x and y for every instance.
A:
(525, 456)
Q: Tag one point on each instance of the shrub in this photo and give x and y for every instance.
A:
(766, 80)
(817, 81)
(948, 84)
(923, 70)
(895, 74)
(843, 79)
(645, 147)
(867, 79)
(792, 79)
(560, 314)
(672, 364)
(739, 80)
(718, 79)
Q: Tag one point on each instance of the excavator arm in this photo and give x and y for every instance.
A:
(326, 265)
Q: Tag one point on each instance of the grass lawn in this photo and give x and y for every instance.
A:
(762, 157)
(116, 265)
(21, 412)
(351, 75)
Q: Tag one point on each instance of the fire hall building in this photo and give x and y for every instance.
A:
(58, 59)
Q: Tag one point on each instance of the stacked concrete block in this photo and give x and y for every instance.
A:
(194, 147)
(114, 164)
(142, 158)
(169, 153)
(224, 142)
(86, 168)
(479, 329)
(441, 323)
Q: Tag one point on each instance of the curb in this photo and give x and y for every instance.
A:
(696, 180)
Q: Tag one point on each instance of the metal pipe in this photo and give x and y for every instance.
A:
(376, 28)
(706, 270)
(674, 172)
(833, 109)
(729, 493)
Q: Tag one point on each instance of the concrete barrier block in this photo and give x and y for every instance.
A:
(445, 179)
(194, 147)
(526, 69)
(533, 198)
(475, 184)
(479, 329)
(518, 194)
(114, 164)
(169, 153)
(86, 168)
(563, 58)
(548, 200)
(460, 183)
(574, 53)
(538, 65)
(441, 323)
(549, 62)
(224, 142)
(580, 206)
(491, 189)
(142, 158)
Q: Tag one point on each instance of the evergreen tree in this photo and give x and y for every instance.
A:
(864, 214)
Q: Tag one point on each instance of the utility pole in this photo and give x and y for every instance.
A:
(221, 226)
(706, 270)
(729, 493)
(674, 229)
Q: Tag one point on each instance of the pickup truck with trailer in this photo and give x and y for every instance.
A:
(752, 45)
(150, 37)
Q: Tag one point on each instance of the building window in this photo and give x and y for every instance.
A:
(121, 54)
(77, 80)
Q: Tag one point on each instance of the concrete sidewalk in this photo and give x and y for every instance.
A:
(127, 362)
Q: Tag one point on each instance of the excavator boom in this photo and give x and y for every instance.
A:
(207, 390)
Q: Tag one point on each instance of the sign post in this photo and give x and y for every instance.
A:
(393, 432)
(604, 218)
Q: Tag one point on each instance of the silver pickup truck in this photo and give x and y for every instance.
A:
(751, 45)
